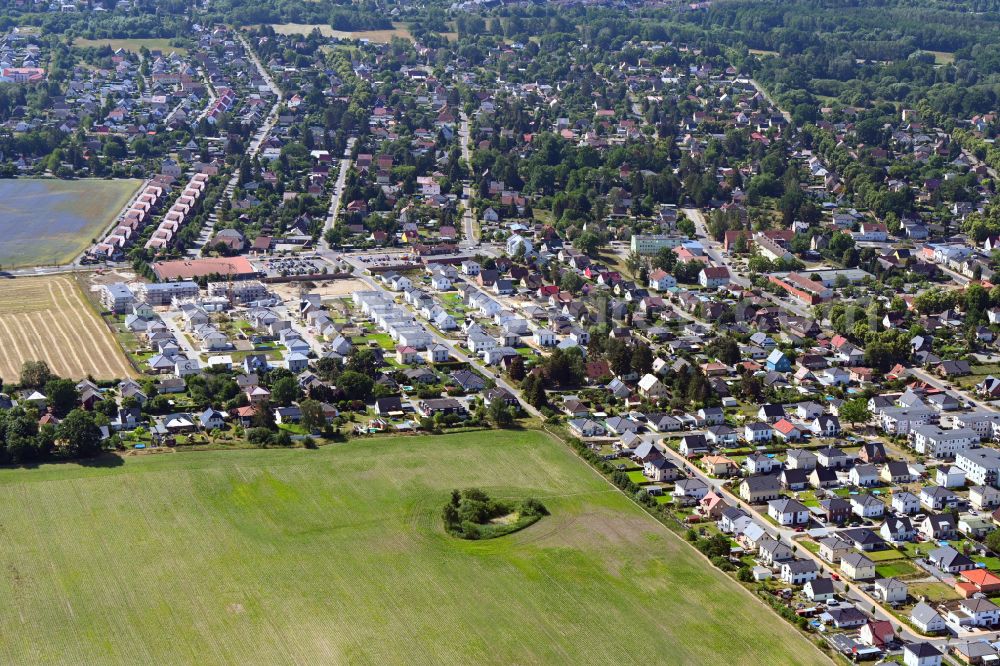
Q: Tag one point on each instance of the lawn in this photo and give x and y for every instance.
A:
(49, 222)
(132, 45)
(384, 340)
(338, 555)
(885, 555)
(896, 569)
(934, 592)
(942, 57)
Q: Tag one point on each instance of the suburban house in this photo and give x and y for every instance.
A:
(905, 502)
(926, 619)
(949, 560)
(689, 491)
(756, 433)
(890, 590)
(788, 511)
(760, 489)
(984, 497)
(712, 277)
(867, 506)
(798, 572)
(833, 548)
(819, 589)
(972, 613)
(857, 567)
(897, 529)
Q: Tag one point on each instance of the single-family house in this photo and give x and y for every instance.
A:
(857, 566)
(788, 512)
(760, 489)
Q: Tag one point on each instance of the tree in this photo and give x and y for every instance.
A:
(726, 349)
(570, 281)
(516, 369)
(363, 360)
(313, 418)
(642, 359)
(34, 374)
(355, 385)
(80, 434)
(588, 242)
(62, 395)
(534, 391)
(993, 541)
(285, 391)
(634, 262)
(499, 414)
(263, 417)
(855, 411)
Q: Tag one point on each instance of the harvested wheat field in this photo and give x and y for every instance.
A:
(47, 318)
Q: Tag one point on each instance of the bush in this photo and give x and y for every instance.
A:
(259, 436)
(469, 514)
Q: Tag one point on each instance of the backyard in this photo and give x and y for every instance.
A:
(282, 556)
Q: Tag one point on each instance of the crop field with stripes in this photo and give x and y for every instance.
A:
(338, 555)
(47, 318)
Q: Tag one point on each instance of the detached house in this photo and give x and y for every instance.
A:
(788, 512)
(760, 489)
(756, 433)
(857, 567)
(867, 506)
(713, 277)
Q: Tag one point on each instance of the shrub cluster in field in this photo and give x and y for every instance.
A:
(469, 514)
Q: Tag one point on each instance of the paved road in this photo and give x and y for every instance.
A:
(454, 349)
(212, 96)
(713, 249)
(338, 187)
(716, 253)
(767, 96)
(468, 220)
(205, 234)
(938, 383)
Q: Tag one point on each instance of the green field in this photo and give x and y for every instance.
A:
(338, 555)
(49, 221)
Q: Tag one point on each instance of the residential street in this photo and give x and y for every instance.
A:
(338, 187)
(455, 350)
(468, 219)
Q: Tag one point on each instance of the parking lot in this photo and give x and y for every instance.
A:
(286, 266)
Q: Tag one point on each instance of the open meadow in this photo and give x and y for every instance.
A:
(47, 318)
(378, 36)
(338, 555)
(49, 222)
